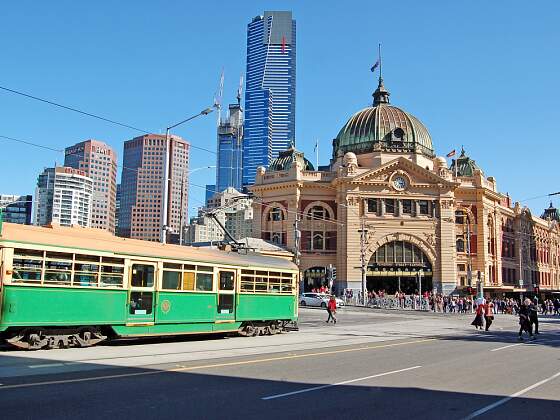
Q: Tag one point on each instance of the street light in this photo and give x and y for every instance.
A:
(166, 178)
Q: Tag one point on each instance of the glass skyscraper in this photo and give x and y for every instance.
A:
(270, 87)
(230, 140)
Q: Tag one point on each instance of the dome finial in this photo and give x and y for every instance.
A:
(381, 95)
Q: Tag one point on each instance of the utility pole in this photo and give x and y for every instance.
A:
(297, 240)
(363, 232)
(182, 212)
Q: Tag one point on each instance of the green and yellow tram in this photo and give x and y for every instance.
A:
(62, 286)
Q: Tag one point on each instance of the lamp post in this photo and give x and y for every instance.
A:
(363, 232)
(167, 174)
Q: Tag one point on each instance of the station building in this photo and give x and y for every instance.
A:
(387, 199)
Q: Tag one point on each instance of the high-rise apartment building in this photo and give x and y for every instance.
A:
(64, 196)
(99, 162)
(270, 90)
(16, 208)
(233, 209)
(142, 187)
(230, 139)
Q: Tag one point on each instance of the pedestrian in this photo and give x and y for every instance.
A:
(478, 319)
(524, 323)
(489, 314)
(534, 316)
(331, 309)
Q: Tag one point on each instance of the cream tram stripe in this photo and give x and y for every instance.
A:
(216, 365)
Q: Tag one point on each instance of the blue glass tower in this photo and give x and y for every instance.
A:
(270, 100)
(230, 140)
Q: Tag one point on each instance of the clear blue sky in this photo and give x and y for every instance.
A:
(477, 73)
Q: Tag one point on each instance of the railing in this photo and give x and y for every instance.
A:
(409, 303)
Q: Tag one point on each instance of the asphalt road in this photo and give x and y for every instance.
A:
(369, 365)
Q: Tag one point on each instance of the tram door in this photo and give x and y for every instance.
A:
(141, 296)
(226, 296)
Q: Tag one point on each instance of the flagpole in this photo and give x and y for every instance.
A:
(379, 56)
(317, 154)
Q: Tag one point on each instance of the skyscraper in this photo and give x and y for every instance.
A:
(16, 208)
(141, 203)
(270, 99)
(64, 196)
(99, 162)
(230, 140)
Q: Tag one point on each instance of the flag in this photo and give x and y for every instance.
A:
(451, 154)
(316, 145)
(375, 66)
(283, 44)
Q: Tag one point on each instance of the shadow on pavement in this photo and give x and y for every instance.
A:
(141, 393)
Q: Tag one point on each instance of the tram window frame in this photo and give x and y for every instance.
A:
(28, 265)
(107, 278)
(147, 283)
(89, 277)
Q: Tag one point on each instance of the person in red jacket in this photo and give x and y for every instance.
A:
(331, 309)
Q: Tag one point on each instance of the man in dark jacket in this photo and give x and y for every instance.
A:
(524, 322)
(534, 316)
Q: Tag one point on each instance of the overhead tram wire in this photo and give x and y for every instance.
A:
(88, 114)
(298, 213)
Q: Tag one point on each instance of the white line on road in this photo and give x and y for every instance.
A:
(506, 399)
(316, 388)
(507, 347)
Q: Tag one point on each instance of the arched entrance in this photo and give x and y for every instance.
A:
(314, 278)
(399, 265)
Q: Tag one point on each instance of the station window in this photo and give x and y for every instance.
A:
(372, 205)
(407, 206)
(423, 207)
(390, 206)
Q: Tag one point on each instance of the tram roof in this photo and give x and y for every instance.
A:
(89, 239)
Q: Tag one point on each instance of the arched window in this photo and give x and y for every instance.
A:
(317, 213)
(460, 244)
(275, 214)
(318, 242)
(460, 217)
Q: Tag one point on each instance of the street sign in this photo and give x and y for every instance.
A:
(520, 282)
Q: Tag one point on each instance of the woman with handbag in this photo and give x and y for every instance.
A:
(478, 319)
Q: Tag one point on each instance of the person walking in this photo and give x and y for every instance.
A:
(524, 322)
(478, 319)
(331, 309)
(534, 316)
(489, 314)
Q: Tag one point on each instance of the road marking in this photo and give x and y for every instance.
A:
(316, 388)
(506, 399)
(46, 365)
(507, 347)
(210, 366)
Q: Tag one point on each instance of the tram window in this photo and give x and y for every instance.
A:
(247, 284)
(189, 267)
(112, 275)
(204, 282)
(171, 280)
(261, 284)
(172, 266)
(226, 280)
(225, 304)
(28, 253)
(90, 258)
(141, 303)
(188, 280)
(111, 260)
(58, 272)
(26, 270)
(59, 256)
(205, 268)
(274, 284)
(85, 274)
(142, 275)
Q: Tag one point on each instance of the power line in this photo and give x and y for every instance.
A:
(89, 114)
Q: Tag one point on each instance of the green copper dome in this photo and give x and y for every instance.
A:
(465, 165)
(383, 127)
(287, 158)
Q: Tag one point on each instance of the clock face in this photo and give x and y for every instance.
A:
(399, 183)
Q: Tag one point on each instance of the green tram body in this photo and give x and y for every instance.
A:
(85, 285)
